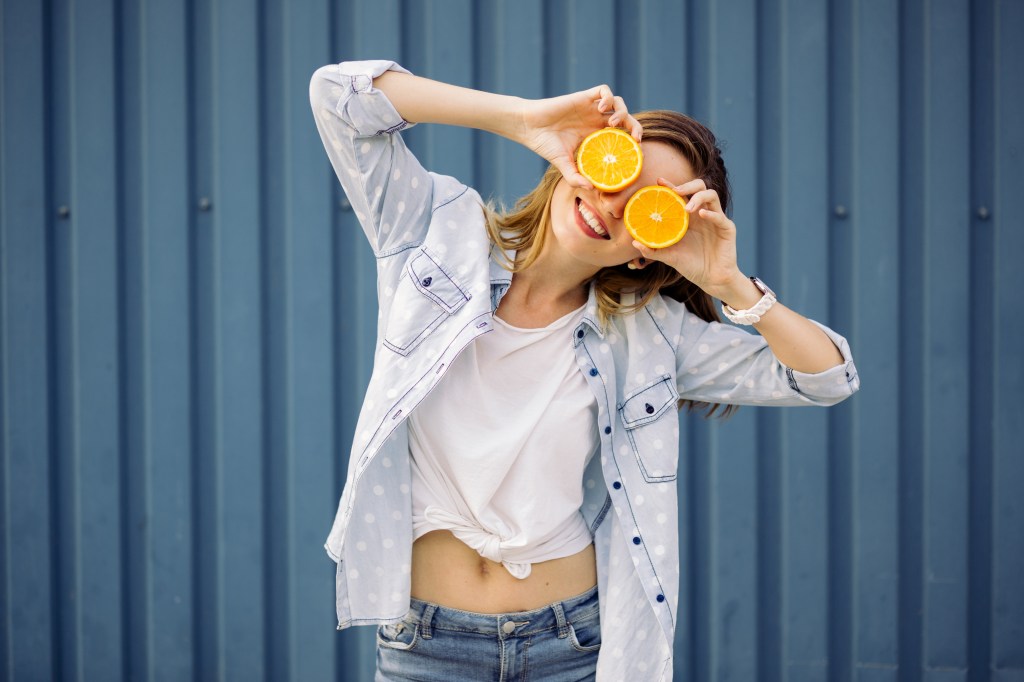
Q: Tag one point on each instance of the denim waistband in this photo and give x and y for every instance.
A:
(553, 616)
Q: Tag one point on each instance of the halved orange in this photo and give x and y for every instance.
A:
(656, 216)
(610, 159)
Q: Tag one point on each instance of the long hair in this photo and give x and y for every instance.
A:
(523, 228)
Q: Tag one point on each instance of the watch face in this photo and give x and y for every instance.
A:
(762, 286)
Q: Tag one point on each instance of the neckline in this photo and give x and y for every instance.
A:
(557, 324)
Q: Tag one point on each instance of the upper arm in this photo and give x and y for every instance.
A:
(388, 188)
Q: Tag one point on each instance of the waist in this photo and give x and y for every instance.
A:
(448, 572)
(524, 623)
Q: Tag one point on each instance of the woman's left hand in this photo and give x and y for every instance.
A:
(706, 255)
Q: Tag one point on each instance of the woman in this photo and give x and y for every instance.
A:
(510, 506)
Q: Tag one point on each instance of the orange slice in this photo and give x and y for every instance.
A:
(656, 216)
(610, 159)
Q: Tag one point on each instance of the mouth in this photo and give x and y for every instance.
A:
(589, 222)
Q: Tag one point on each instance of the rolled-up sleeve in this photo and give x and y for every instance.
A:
(720, 363)
(389, 190)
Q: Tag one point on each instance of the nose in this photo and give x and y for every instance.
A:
(614, 203)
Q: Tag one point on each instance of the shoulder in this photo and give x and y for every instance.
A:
(663, 315)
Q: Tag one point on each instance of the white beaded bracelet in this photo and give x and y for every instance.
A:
(753, 314)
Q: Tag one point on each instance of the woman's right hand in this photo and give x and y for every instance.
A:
(554, 127)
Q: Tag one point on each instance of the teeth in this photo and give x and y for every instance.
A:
(591, 220)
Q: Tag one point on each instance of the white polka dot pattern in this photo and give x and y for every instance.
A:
(404, 210)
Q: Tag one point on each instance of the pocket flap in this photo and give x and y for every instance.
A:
(648, 403)
(435, 283)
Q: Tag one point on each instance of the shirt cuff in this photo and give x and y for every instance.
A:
(368, 110)
(834, 383)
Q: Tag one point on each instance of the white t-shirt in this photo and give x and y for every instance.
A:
(500, 445)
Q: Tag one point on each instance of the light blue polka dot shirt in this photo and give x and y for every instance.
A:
(437, 289)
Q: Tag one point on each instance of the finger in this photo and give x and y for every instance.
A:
(685, 190)
(716, 218)
(621, 116)
(605, 100)
(571, 174)
(635, 128)
(691, 187)
(621, 110)
(707, 198)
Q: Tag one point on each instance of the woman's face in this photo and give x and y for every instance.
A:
(588, 224)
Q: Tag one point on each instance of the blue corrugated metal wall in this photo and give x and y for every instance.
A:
(187, 321)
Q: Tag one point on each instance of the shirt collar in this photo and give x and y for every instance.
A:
(501, 279)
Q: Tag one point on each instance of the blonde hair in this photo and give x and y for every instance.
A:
(522, 230)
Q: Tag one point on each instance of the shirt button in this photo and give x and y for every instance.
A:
(593, 371)
(616, 485)
(636, 541)
(607, 429)
(508, 627)
(660, 597)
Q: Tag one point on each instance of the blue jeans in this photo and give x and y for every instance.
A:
(555, 643)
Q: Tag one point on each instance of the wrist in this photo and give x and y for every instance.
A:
(738, 292)
(511, 122)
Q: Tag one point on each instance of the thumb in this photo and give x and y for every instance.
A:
(571, 174)
(646, 251)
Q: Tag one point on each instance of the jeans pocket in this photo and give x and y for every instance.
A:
(401, 636)
(585, 635)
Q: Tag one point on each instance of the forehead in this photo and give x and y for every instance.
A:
(661, 160)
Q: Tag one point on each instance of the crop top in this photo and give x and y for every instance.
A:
(500, 445)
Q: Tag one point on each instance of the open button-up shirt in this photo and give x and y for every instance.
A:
(438, 286)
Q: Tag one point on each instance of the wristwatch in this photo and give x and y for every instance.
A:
(753, 314)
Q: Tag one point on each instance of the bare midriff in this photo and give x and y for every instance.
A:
(449, 572)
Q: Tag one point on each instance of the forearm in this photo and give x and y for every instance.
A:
(796, 341)
(421, 100)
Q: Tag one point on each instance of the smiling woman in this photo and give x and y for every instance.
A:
(512, 482)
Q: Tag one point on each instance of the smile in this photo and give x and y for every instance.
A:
(589, 222)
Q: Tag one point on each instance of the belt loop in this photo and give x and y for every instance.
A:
(563, 628)
(425, 619)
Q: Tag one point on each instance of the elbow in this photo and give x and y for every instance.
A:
(320, 84)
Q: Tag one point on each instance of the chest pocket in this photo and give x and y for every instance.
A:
(426, 296)
(649, 417)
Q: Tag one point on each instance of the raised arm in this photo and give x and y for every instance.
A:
(359, 108)
(552, 127)
(707, 257)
